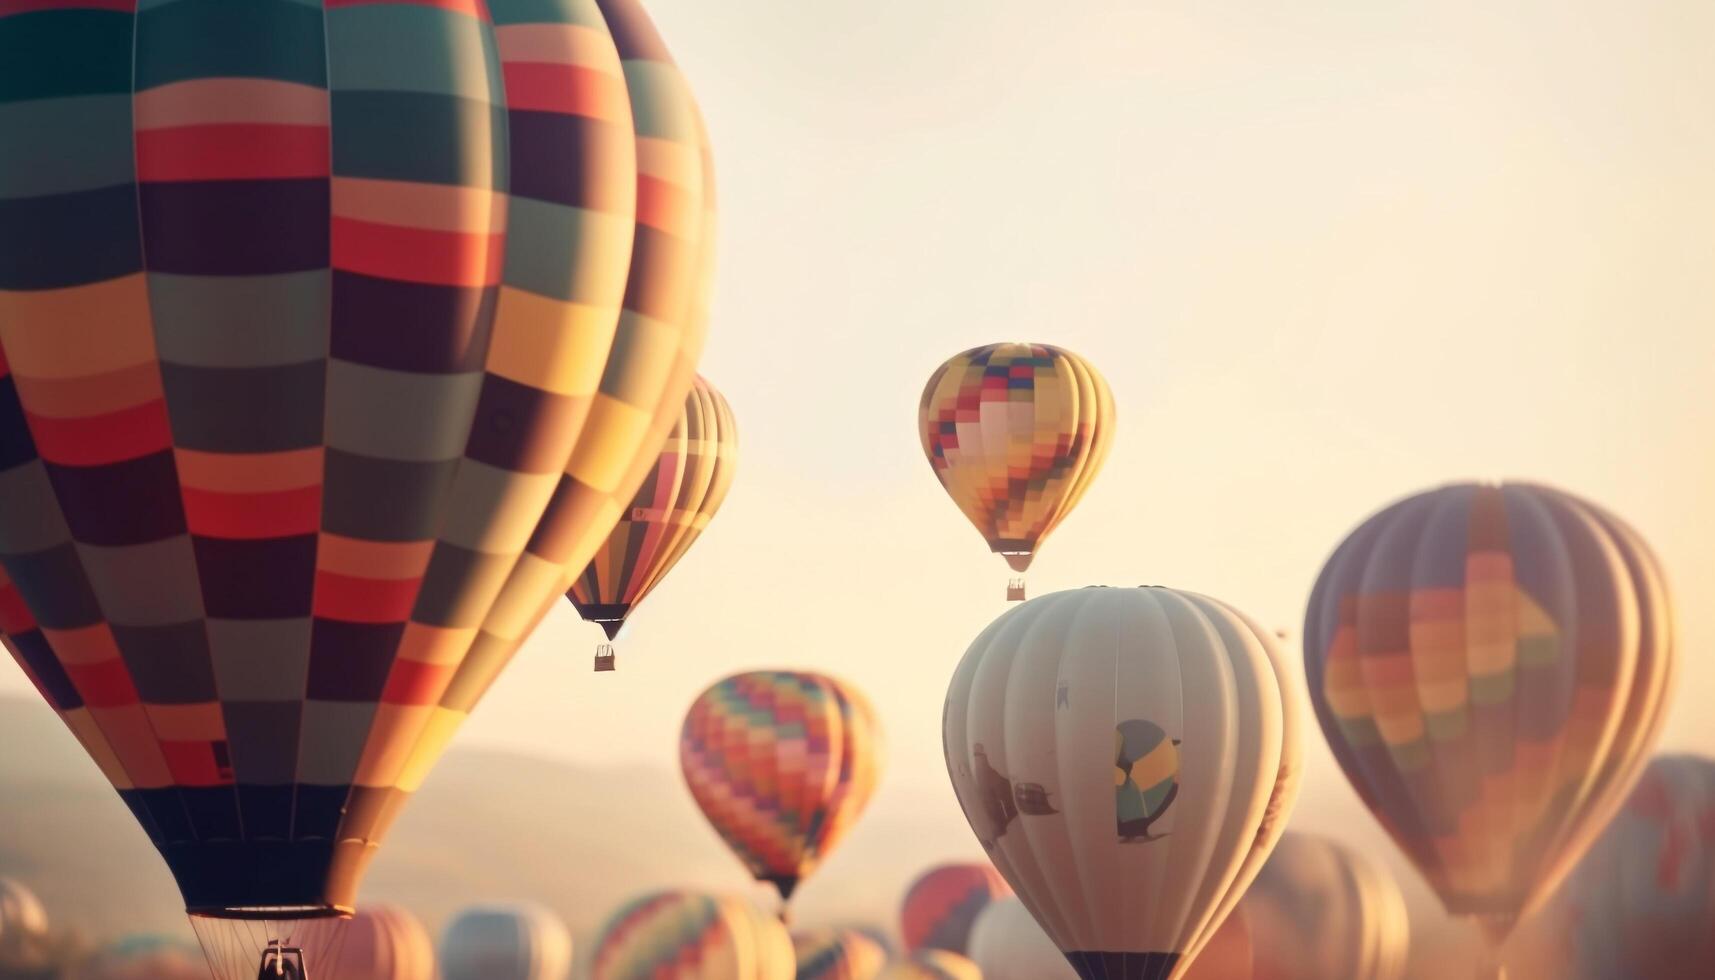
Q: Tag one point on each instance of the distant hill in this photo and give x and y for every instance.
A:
(487, 826)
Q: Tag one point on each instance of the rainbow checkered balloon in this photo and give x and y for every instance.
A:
(838, 954)
(1016, 433)
(685, 936)
(781, 763)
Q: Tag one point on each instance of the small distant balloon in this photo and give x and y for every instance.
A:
(1641, 904)
(145, 958)
(23, 926)
(380, 942)
(781, 763)
(943, 903)
(838, 954)
(1016, 433)
(1491, 665)
(1128, 758)
(1319, 909)
(506, 942)
(684, 935)
(1007, 943)
(932, 964)
(672, 509)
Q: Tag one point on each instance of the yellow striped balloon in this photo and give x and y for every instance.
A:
(838, 954)
(1016, 433)
(684, 936)
(781, 763)
(933, 964)
(678, 498)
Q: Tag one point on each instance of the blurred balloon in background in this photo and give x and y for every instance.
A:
(1016, 433)
(837, 954)
(23, 927)
(1128, 758)
(1491, 665)
(671, 510)
(1641, 904)
(781, 763)
(146, 958)
(943, 903)
(1008, 944)
(932, 964)
(1319, 909)
(506, 942)
(380, 942)
(688, 936)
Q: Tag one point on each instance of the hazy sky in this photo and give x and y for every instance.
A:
(1327, 254)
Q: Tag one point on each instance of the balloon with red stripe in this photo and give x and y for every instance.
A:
(943, 904)
(781, 763)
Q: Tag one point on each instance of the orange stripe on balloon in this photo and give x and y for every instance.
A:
(249, 516)
(566, 89)
(364, 600)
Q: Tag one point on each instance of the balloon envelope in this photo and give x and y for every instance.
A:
(23, 926)
(326, 368)
(1642, 902)
(837, 954)
(943, 904)
(1319, 909)
(671, 510)
(686, 936)
(1490, 665)
(1127, 757)
(933, 964)
(781, 763)
(1016, 433)
(506, 942)
(380, 942)
(1007, 943)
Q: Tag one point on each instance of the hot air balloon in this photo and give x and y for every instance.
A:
(1016, 433)
(674, 505)
(1127, 757)
(1319, 909)
(932, 964)
(380, 942)
(684, 936)
(1490, 665)
(336, 337)
(1642, 901)
(1008, 944)
(781, 763)
(943, 903)
(144, 958)
(837, 954)
(23, 928)
(506, 942)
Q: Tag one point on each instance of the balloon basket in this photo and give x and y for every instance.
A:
(1015, 590)
(604, 658)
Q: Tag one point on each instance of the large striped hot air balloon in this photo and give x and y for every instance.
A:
(943, 903)
(837, 954)
(685, 936)
(1129, 855)
(1319, 909)
(1016, 433)
(1491, 665)
(336, 337)
(1642, 901)
(506, 942)
(671, 510)
(932, 964)
(781, 763)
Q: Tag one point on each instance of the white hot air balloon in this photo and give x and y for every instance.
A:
(506, 942)
(1008, 944)
(1127, 757)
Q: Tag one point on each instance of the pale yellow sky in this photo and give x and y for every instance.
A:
(1327, 253)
